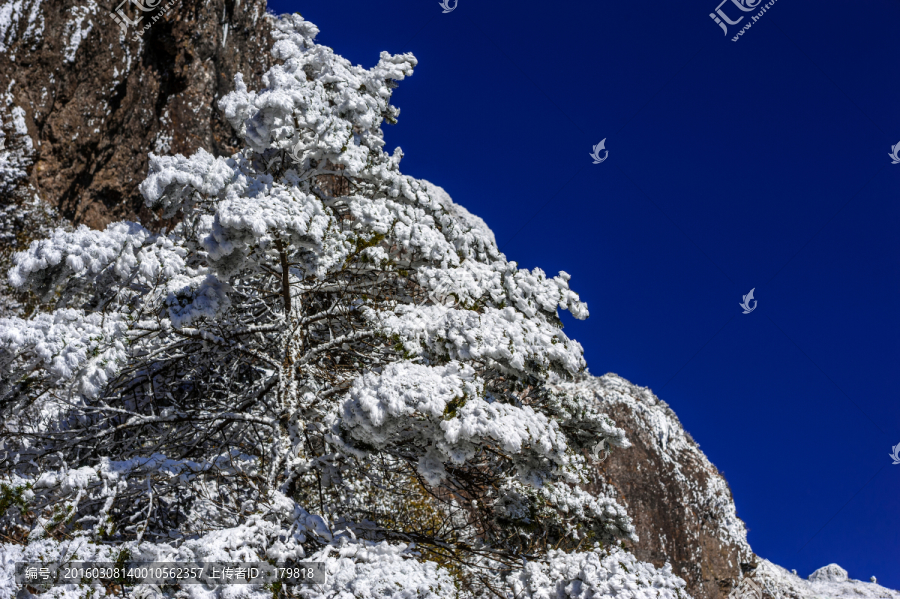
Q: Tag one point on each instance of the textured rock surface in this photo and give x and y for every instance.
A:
(94, 99)
(681, 505)
(683, 509)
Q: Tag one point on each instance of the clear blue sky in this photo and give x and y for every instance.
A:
(761, 163)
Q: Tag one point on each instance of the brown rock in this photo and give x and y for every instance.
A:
(680, 503)
(97, 100)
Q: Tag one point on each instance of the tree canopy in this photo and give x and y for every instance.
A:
(318, 358)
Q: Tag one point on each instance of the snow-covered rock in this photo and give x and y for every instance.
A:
(681, 505)
(829, 582)
(682, 508)
(829, 573)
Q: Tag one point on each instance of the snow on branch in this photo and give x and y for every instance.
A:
(319, 358)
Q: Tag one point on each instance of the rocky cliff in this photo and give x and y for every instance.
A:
(86, 93)
(684, 512)
(681, 505)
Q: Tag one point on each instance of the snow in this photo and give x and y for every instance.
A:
(505, 336)
(11, 14)
(180, 176)
(77, 29)
(194, 298)
(445, 406)
(829, 573)
(379, 571)
(312, 120)
(16, 146)
(315, 361)
(69, 344)
(18, 120)
(163, 141)
(828, 582)
(472, 221)
(595, 574)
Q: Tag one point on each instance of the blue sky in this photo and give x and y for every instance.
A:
(761, 163)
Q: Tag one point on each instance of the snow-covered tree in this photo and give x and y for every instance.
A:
(322, 359)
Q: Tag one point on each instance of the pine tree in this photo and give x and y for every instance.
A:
(324, 359)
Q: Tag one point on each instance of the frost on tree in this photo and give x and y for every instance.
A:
(323, 359)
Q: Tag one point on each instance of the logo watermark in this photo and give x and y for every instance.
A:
(600, 447)
(597, 149)
(746, 303)
(145, 6)
(721, 18)
(747, 589)
(445, 4)
(895, 154)
(896, 455)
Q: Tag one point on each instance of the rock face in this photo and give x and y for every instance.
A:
(683, 510)
(84, 98)
(680, 504)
